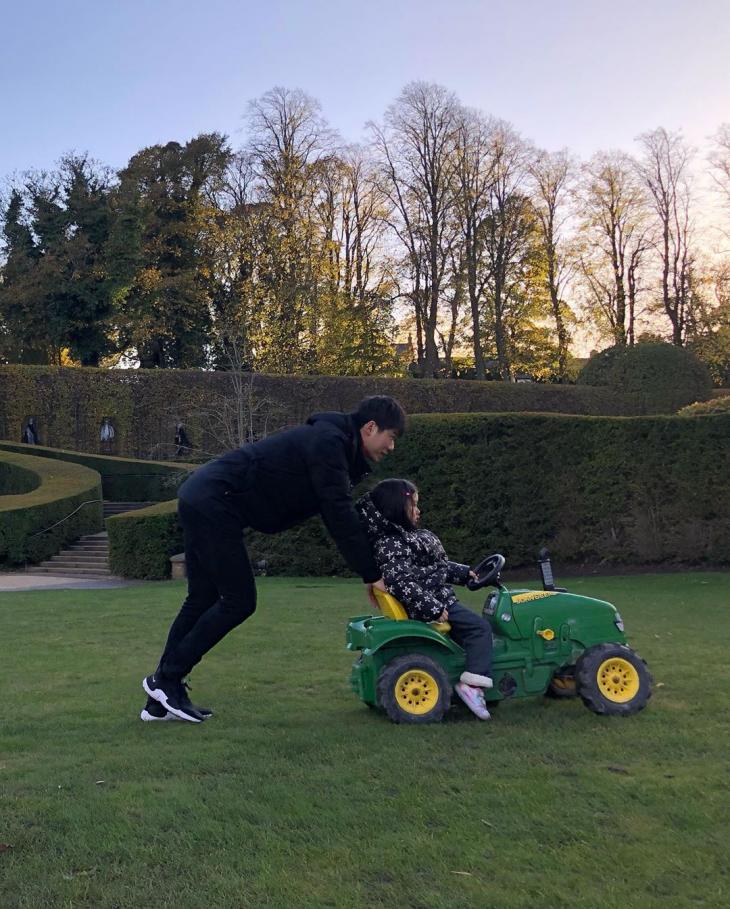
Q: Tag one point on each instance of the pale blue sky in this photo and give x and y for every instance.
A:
(110, 77)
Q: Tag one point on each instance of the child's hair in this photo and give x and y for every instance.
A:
(391, 498)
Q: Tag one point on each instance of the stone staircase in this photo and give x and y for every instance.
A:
(87, 557)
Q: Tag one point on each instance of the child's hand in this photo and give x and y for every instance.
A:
(378, 585)
(473, 575)
(444, 617)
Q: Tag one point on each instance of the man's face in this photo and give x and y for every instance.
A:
(377, 442)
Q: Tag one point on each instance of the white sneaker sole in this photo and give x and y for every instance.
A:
(151, 718)
(157, 694)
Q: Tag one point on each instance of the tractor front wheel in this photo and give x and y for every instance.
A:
(613, 679)
(414, 689)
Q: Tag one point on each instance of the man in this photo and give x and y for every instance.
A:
(269, 486)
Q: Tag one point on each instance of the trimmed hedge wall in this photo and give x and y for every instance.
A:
(69, 404)
(141, 542)
(647, 490)
(123, 479)
(61, 491)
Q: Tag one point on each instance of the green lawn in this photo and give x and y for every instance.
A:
(296, 795)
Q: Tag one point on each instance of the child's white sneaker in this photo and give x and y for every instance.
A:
(474, 700)
(475, 680)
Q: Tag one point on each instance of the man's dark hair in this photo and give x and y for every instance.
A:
(385, 411)
(391, 498)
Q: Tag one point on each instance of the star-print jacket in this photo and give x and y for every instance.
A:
(414, 565)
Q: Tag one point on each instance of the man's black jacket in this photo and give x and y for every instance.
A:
(288, 477)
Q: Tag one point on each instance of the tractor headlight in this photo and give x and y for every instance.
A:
(490, 604)
(619, 622)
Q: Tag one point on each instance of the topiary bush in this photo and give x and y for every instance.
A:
(661, 377)
(46, 505)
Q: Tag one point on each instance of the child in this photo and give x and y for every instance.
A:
(416, 571)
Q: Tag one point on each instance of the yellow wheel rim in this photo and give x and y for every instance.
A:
(417, 692)
(618, 680)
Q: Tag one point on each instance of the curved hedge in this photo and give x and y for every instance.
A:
(65, 493)
(16, 480)
(641, 490)
(123, 479)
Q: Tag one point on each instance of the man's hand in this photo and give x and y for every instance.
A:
(376, 585)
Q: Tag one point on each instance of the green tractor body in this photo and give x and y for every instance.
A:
(544, 642)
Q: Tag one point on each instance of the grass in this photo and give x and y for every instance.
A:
(296, 795)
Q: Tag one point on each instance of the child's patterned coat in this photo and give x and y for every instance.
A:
(414, 565)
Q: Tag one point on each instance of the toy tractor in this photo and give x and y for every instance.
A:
(546, 642)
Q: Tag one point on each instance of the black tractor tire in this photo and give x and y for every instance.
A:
(562, 684)
(613, 680)
(414, 689)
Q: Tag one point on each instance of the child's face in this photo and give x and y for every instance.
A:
(412, 509)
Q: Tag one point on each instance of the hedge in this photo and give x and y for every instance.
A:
(123, 479)
(662, 377)
(29, 520)
(16, 480)
(718, 404)
(141, 542)
(69, 404)
(596, 490)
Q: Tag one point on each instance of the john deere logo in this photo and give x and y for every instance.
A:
(533, 595)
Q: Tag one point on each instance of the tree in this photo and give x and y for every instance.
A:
(720, 161)
(292, 148)
(165, 190)
(87, 293)
(708, 330)
(552, 175)
(23, 336)
(475, 178)
(664, 168)
(511, 246)
(617, 235)
(416, 150)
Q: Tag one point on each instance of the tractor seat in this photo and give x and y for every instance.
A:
(393, 609)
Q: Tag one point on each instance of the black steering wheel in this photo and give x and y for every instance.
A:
(487, 572)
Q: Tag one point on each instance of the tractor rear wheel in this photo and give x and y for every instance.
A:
(612, 679)
(414, 689)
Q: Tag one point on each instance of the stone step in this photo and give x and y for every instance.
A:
(112, 508)
(48, 568)
(88, 547)
(84, 558)
(102, 537)
(110, 504)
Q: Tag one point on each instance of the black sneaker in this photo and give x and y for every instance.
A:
(205, 712)
(152, 712)
(172, 695)
(155, 712)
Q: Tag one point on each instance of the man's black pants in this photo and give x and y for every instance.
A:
(474, 634)
(221, 589)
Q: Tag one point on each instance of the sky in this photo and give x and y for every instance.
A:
(112, 76)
